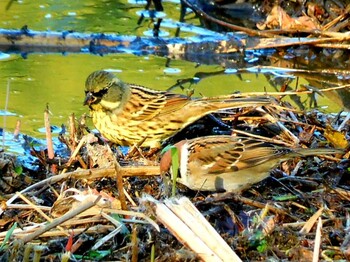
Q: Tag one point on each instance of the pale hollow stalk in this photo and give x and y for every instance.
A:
(188, 213)
(189, 226)
(317, 247)
(183, 233)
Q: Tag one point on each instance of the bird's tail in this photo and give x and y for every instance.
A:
(226, 102)
(317, 151)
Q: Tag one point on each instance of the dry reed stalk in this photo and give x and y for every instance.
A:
(50, 151)
(131, 214)
(311, 222)
(38, 250)
(72, 131)
(134, 244)
(317, 245)
(344, 122)
(22, 206)
(27, 251)
(189, 226)
(120, 185)
(75, 153)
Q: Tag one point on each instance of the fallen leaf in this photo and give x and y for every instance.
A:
(336, 138)
(278, 18)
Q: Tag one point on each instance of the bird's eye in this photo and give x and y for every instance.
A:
(100, 93)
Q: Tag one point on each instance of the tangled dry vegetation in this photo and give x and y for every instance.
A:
(100, 204)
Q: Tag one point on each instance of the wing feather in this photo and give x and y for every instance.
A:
(154, 103)
(230, 154)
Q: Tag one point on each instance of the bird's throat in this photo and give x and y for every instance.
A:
(109, 105)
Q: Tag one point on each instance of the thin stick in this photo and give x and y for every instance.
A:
(57, 233)
(119, 227)
(120, 185)
(75, 153)
(21, 196)
(37, 209)
(6, 106)
(233, 27)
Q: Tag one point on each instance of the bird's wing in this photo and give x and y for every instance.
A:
(215, 155)
(231, 156)
(147, 104)
(258, 156)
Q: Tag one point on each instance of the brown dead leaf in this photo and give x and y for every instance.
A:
(300, 253)
(100, 155)
(278, 18)
(336, 138)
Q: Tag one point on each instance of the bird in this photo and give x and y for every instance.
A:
(230, 163)
(128, 114)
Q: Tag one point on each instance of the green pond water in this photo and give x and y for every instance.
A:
(33, 80)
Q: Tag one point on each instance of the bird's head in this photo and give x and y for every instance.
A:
(104, 89)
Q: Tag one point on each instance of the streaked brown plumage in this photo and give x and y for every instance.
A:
(216, 163)
(127, 114)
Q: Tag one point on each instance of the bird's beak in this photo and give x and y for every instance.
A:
(89, 99)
